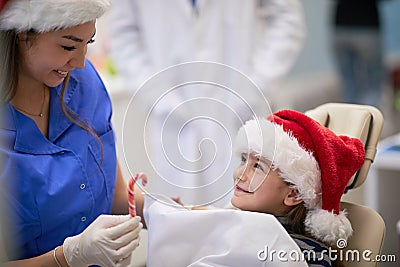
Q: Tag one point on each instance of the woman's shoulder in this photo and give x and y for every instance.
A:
(88, 83)
(86, 93)
(87, 75)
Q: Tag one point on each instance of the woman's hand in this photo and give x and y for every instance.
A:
(108, 241)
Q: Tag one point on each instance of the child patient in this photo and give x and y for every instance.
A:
(297, 170)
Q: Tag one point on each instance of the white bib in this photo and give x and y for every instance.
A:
(178, 237)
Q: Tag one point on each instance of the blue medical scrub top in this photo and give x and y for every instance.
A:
(54, 187)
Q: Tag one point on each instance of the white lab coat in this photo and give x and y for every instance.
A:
(260, 38)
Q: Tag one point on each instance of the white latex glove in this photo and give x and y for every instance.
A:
(108, 241)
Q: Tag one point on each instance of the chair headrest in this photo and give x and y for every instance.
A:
(360, 121)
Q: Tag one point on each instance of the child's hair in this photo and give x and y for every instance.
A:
(295, 219)
(295, 224)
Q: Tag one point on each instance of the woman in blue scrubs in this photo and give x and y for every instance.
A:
(59, 173)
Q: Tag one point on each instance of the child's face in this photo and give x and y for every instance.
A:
(269, 197)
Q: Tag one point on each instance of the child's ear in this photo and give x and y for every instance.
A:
(22, 36)
(292, 198)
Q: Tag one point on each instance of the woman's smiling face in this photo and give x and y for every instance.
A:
(258, 187)
(48, 57)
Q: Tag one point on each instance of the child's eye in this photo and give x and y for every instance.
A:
(68, 48)
(91, 41)
(258, 166)
(243, 159)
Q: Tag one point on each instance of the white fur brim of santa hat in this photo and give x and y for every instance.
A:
(296, 165)
(49, 15)
(312, 158)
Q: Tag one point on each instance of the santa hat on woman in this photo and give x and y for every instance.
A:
(49, 15)
(315, 160)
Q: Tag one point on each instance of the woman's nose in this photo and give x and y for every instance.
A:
(78, 59)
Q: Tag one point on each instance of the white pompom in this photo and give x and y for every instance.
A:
(327, 226)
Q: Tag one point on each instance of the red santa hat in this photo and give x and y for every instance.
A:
(315, 160)
(49, 15)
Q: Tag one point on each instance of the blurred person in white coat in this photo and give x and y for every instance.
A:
(260, 38)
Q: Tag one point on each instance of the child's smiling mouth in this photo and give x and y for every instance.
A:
(240, 189)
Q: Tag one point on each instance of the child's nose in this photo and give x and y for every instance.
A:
(245, 174)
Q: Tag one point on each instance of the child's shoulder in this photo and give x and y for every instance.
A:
(308, 242)
(315, 252)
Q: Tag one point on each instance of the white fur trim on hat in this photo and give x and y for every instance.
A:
(49, 15)
(294, 163)
(327, 226)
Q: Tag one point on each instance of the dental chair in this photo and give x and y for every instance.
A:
(364, 122)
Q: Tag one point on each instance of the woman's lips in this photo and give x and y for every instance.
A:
(61, 74)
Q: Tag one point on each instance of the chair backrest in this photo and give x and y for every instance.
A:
(369, 233)
(364, 122)
(398, 236)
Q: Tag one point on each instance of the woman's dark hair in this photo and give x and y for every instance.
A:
(74, 118)
(9, 58)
